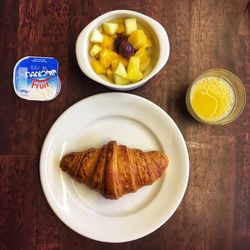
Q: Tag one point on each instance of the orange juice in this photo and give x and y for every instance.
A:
(212, 98)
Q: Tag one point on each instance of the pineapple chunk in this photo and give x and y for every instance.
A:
(147, 71)
(134, 63)
(120, 80)
(144, 59)
(120, 70)
(110, 74)
(142, 54)
(121, 59)
(114, 64)
(107, 56)
(134, 75)
(145, 64)
(96, 37)
(130, 25)
(148, 43)
(95, 50)
(138, 39)
(98, 67)
(108, 42)
(133, 72)
(121, 27)
(110, 28)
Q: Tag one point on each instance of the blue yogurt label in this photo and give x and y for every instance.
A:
(36, 78)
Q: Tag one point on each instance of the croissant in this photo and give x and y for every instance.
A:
(115, 170)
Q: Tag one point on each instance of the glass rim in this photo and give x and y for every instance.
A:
(219, 122)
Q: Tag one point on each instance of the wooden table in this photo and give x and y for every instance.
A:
(214, 213)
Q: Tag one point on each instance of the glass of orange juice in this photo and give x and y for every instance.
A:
(217, 97)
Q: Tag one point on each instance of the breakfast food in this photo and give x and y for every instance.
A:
(212, 98)
(115, 170)
(120, 51)
(36, 78)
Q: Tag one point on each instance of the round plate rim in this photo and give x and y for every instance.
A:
(58, 212)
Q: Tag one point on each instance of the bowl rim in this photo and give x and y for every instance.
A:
(82, 42)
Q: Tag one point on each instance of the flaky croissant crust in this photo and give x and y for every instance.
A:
(115, 170)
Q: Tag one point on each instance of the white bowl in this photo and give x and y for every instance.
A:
(159, 39)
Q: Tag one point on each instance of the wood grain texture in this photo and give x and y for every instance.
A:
(214, 213)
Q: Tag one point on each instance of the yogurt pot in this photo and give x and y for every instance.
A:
(36, 78)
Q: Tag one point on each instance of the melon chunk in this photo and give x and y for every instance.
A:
(130, 25)
(110, 28)
(95, 50)
(121, 27)
(121, 59)
(120, 80)
(120, 70)
(96, 37)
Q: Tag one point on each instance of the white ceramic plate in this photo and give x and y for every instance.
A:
(130, 120)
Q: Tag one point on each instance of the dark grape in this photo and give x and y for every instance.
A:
(118, 41)
(126, 49)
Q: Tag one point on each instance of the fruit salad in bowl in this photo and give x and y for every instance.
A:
(122, 49)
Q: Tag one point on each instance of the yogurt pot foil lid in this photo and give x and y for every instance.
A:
(36, 78)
